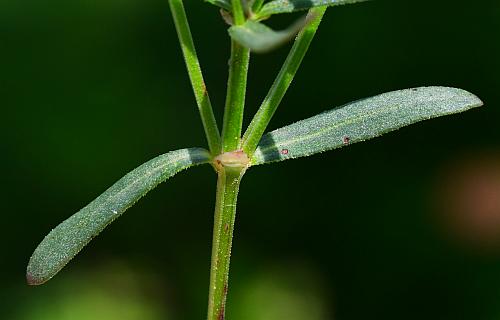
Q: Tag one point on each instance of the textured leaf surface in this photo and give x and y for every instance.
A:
(260, 38)
(361, 120)
(286, 6)
(69, 237)
(224, 4)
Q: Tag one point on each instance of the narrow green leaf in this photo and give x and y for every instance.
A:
(260, 38)
(69, 237)
(361, 120)
(286, 6)
(224, 4)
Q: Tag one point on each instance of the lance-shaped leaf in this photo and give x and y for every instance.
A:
(361, 120)
(224, 4)
(260, 38)
(69, 237)
(287, 6)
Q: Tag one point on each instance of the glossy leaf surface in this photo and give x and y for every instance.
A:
(69, 237)
(361, 120)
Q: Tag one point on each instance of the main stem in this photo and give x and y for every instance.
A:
(225, 210)
(231, 165)
(232, 162)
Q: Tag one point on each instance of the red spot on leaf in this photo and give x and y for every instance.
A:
(284, 151)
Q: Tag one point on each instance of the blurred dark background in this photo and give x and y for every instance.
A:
(406, 226)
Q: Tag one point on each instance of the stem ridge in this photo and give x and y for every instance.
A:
(228, 183)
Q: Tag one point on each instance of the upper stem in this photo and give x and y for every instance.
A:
(238, 12)
(266, 111)
(235, 99)
(257, 4)
(236, 87)
(196, 76)
(225, 211)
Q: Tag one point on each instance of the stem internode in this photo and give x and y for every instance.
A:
(228, 183)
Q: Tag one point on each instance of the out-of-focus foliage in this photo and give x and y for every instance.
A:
(287, 6)
(113, 293)
(288, 291)
(260, 38)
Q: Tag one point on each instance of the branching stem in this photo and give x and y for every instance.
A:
(228, 145)
(282, 83)
(225, 210)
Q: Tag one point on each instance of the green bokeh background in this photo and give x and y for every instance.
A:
(91, 89)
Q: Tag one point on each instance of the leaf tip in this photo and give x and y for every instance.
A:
(38, 271)
(473, 100)
(32, 280)
(478, 101)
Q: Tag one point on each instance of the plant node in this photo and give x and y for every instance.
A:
(232, 159)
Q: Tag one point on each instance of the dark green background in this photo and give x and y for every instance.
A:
(91, 89)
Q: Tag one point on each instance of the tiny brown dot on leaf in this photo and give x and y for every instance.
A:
(284, 151)
(346, 140)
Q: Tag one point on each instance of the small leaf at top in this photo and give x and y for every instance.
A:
(287, 6)
(361, 120)
(224, 4)
(260, 38)
(69, 237)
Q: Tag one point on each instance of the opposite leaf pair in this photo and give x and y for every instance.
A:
(353, 122)
(231, 152)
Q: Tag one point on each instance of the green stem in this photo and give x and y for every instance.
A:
(235, 99)
(266, 111)
(257, 5)
(236, 87)
(225, 209)
(238, 12)
(195, 75)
